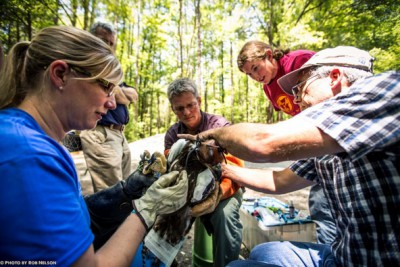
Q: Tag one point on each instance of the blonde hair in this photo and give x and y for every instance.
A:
(26, 64)
(257, 50)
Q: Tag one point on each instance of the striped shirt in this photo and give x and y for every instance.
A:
(363, 183)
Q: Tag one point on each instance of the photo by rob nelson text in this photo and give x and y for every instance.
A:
(27, 262)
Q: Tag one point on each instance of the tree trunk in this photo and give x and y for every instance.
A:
(199, 47)
(221, 82)
(85, 6)
(180, 38)
(232, 84)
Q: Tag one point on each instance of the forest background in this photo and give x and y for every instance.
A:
(161, 40)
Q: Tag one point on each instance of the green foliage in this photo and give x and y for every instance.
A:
(21, 19)
(386, 59)
(159, 41)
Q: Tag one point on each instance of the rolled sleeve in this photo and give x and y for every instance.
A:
(364, 119)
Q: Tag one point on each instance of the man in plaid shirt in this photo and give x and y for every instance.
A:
(349, 142)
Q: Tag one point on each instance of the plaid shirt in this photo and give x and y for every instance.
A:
(363, 183)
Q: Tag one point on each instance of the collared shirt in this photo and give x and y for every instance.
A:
(363, 183)
(208, 121)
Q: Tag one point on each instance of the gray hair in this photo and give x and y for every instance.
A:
(104, 25)
(352, 74)
(180, 86)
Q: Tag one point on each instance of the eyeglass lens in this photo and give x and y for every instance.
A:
(297, 89)
(190, 107)
(108, 87)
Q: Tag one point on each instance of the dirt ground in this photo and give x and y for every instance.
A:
(155, 143)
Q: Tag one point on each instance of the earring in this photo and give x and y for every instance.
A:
(60, 87)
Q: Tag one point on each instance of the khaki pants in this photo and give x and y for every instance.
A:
(107, 155)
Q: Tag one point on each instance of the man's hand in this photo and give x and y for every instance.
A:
(167, 195)
(188, 137)
(203, 136)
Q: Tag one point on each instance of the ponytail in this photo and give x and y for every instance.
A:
(278, 53)
(12, 89)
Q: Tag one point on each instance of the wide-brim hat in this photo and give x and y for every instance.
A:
(341, 56)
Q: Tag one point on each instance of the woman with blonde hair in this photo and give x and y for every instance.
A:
(63, 79)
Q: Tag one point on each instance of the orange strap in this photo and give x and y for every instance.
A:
(229, 187)
(166, 152)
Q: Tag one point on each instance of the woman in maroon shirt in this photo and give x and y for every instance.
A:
(266, 65)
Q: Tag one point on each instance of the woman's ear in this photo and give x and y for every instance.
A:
(58, 71)
(199, 100)
(269, 54)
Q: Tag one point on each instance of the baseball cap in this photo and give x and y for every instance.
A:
(343, 56)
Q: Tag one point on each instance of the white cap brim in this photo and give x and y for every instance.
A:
(286, 82)
(343, 56)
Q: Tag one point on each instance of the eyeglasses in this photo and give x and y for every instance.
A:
(189, 107)
(107, 86)
(297, 89)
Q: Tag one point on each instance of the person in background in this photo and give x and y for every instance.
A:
(222, 223)
(266, 65)
(105, 148)
(63, 79)
(349, 143)
(263, 64)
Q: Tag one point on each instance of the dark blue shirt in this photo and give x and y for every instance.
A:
(118, 116)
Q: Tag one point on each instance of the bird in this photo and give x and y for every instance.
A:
(195, 157)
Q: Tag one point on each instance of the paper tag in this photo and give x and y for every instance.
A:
(161, 248)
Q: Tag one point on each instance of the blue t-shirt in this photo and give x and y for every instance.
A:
(43, 214)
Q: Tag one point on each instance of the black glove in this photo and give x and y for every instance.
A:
(137, 183)
(109, 207)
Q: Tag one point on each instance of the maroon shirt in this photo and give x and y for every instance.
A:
(288, 63)
(208, 121)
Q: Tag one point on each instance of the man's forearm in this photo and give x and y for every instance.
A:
(289, 140)
(120, 249)
(126, 95)
(268, 181)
